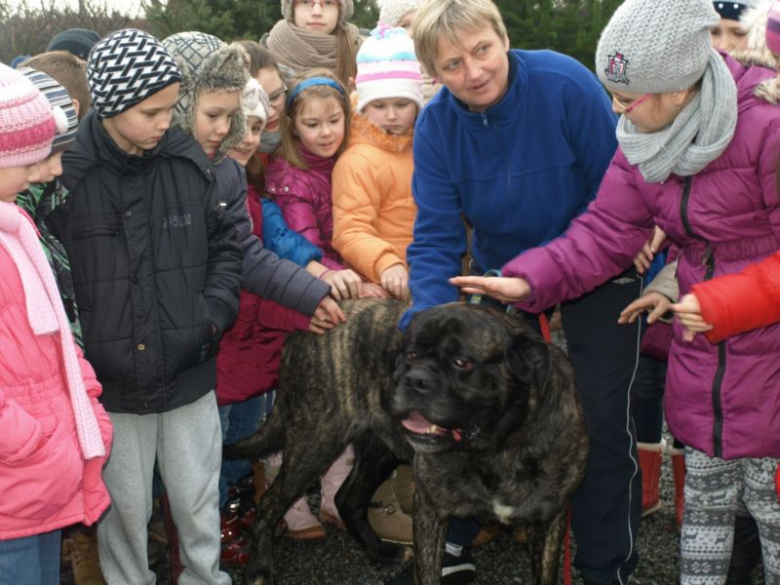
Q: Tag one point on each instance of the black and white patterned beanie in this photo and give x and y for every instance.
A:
(207, 64)
(127, 67)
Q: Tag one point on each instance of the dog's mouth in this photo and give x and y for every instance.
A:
(421, 428)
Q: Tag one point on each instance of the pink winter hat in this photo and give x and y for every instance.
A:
(773, 29)
(27, 124)
(387, 68)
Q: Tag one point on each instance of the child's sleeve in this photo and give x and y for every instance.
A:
(739, 302)
(286, 243)
(357, 201)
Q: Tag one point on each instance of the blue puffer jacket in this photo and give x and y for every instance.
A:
(519, 172)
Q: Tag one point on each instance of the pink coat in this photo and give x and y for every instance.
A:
(304, 196)
(45, 484)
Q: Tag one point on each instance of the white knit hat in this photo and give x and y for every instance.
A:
(387, 67)
(254, 101)
(656, 46)
(392, 11)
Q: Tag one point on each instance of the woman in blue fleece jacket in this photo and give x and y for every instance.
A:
(517, 143)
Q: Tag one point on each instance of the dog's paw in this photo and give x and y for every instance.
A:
(256, 574)
(387, 553)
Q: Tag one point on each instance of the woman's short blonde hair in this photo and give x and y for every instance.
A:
(448, 19)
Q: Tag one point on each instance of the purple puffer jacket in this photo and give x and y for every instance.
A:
(305, 198)
(721, 399)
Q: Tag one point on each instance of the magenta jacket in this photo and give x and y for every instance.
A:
(721, 399)
(251, 350)
(45, 484)
(305, 197)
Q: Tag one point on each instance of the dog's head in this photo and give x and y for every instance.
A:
(466, 377)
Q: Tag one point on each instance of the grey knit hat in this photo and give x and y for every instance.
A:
(656, 46)
(392, 11)
(125, 68)
(346, 9)
(58, 98)
(207, 64)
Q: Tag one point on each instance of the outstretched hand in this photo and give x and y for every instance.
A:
(502, 288)
(688, 311)
(327, 315)
(655, 304)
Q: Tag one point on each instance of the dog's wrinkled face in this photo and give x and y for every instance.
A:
(457, 378)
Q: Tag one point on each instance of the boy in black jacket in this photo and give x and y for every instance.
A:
(156, 271)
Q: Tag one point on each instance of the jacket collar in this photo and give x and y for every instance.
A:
(506, 109)
(363, 131)
(317, 163)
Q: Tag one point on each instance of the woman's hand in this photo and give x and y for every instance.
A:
(502, 288)
(655, 304)
(326, 316)
(688, 311)
(395, 280)
(645, 256)
(344, 284)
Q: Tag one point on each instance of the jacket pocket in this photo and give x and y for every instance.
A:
(95, 228)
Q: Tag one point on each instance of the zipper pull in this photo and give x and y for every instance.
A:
(484, 120)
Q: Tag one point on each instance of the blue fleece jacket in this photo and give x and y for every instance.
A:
(518, 172)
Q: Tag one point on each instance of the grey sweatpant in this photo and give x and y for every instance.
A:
(713, 488)
(187, 443)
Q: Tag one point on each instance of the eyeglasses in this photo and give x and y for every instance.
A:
(630, 106)
(324, 4)
(276, 99)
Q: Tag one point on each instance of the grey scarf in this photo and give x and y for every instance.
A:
(699, 134)
(270, 141)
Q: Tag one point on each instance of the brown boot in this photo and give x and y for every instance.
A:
(678, 475)
(485, 535)
(650, 459)
(386, 516)
(84, 558)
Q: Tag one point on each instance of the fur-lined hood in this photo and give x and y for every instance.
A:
(208, 64)
(362, 130)
(766, 89)
(754, 21)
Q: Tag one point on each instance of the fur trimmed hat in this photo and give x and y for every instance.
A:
(392, 11)
(346, 8)
(387, 67)
(656, 46)
(58, 98)
(127, 67)
(27, 123)
(207, 64)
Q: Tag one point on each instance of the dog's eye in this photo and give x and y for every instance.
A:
(410, 356)
(464, 365)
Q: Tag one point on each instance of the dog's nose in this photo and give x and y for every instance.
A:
(417, 382)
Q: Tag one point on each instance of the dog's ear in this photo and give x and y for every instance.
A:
(528, 358)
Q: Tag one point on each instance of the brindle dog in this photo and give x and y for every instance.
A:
(485, 409)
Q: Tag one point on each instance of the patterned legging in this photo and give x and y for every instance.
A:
(713, 488)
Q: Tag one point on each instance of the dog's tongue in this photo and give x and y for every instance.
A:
(417, 423)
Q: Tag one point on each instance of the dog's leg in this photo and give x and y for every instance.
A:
(545, 548)
(430, 536)
(373, 464)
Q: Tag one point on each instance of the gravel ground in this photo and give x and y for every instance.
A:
(338, 560)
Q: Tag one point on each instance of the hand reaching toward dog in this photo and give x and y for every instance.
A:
(688, 311)
(326, 316)
(370, 290)
(344, 284)
(503, 288)
(395, 280)
(654, 303)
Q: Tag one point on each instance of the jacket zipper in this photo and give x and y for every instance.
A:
(507, 166)
(709, 262)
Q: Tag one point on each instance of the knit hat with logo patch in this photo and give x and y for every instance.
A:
(27, 122)
(392, 11)
(58, 98)
(207, 64)
(127, 67)
(656, 46)
(387, 67)
(346, 8)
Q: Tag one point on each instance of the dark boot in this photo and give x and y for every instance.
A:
(746, 553)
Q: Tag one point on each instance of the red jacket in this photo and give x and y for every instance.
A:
(743, 301)
(250, 351)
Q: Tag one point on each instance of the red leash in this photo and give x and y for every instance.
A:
(544, 325)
